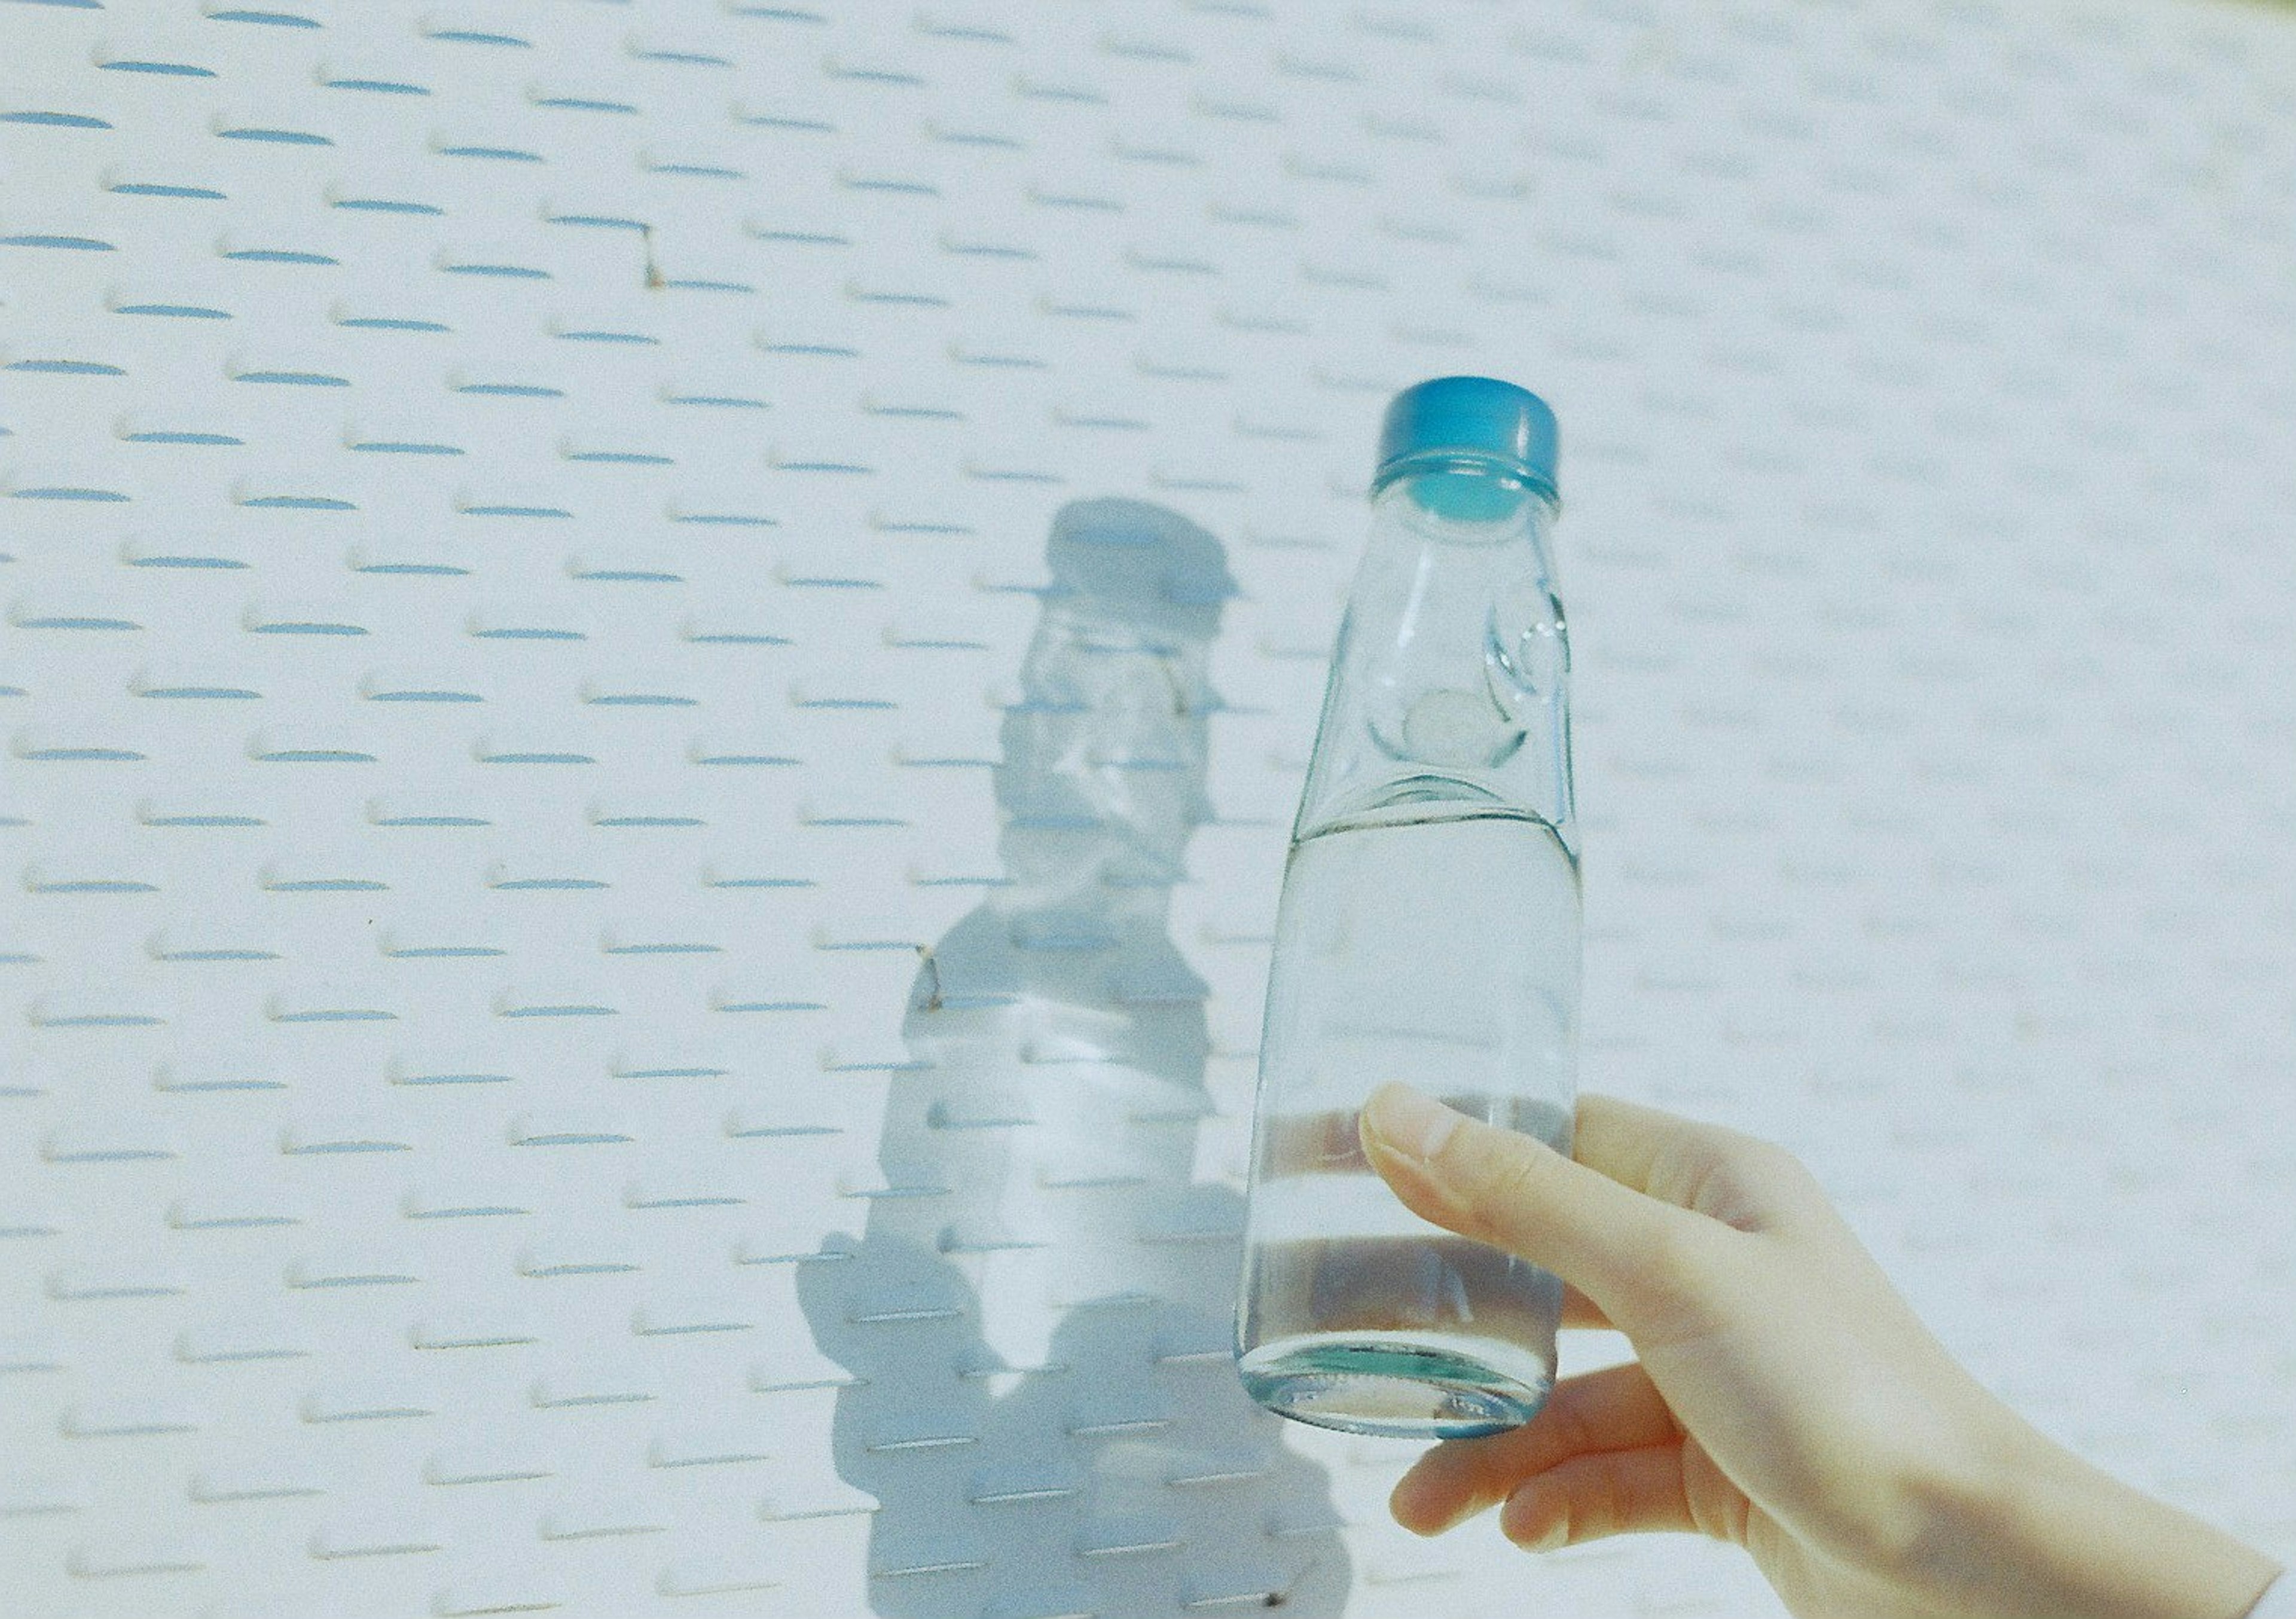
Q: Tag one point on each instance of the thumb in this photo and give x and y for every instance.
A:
(1633, 1255)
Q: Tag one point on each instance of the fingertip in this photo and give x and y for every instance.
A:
(1422, 1504)
(1407, 1122)
(1529, 1519)
(1555, 1537)
(1406, 1516)
(1367, 1135)
(1412, 1182)
(1382, 1097)
(1387, 1091)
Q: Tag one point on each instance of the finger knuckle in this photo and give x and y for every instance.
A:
(1742, 1180)
(1779, 1184)
(1770, 1161)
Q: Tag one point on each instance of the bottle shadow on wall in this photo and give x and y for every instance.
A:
(1037, 1318)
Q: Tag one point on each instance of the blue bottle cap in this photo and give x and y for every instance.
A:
(1468, 419)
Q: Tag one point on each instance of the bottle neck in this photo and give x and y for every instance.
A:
(1450, 673)
(1466, 503)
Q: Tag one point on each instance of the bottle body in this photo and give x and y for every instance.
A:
(1428, 931)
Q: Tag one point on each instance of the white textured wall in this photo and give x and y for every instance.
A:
(523, 523)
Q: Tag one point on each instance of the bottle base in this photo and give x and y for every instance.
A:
(1397, 1384)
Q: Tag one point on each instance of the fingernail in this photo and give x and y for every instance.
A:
(1409, 1123)
(1553, 1538)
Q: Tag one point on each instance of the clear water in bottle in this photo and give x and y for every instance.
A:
(1402, 952)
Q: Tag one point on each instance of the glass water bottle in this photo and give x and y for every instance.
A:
(1429, 932)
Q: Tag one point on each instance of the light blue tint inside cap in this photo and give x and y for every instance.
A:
(1450, 424)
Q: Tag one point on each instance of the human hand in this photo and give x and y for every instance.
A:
(1785, 1397)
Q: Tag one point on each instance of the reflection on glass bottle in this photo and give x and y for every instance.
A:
(1429, 932)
